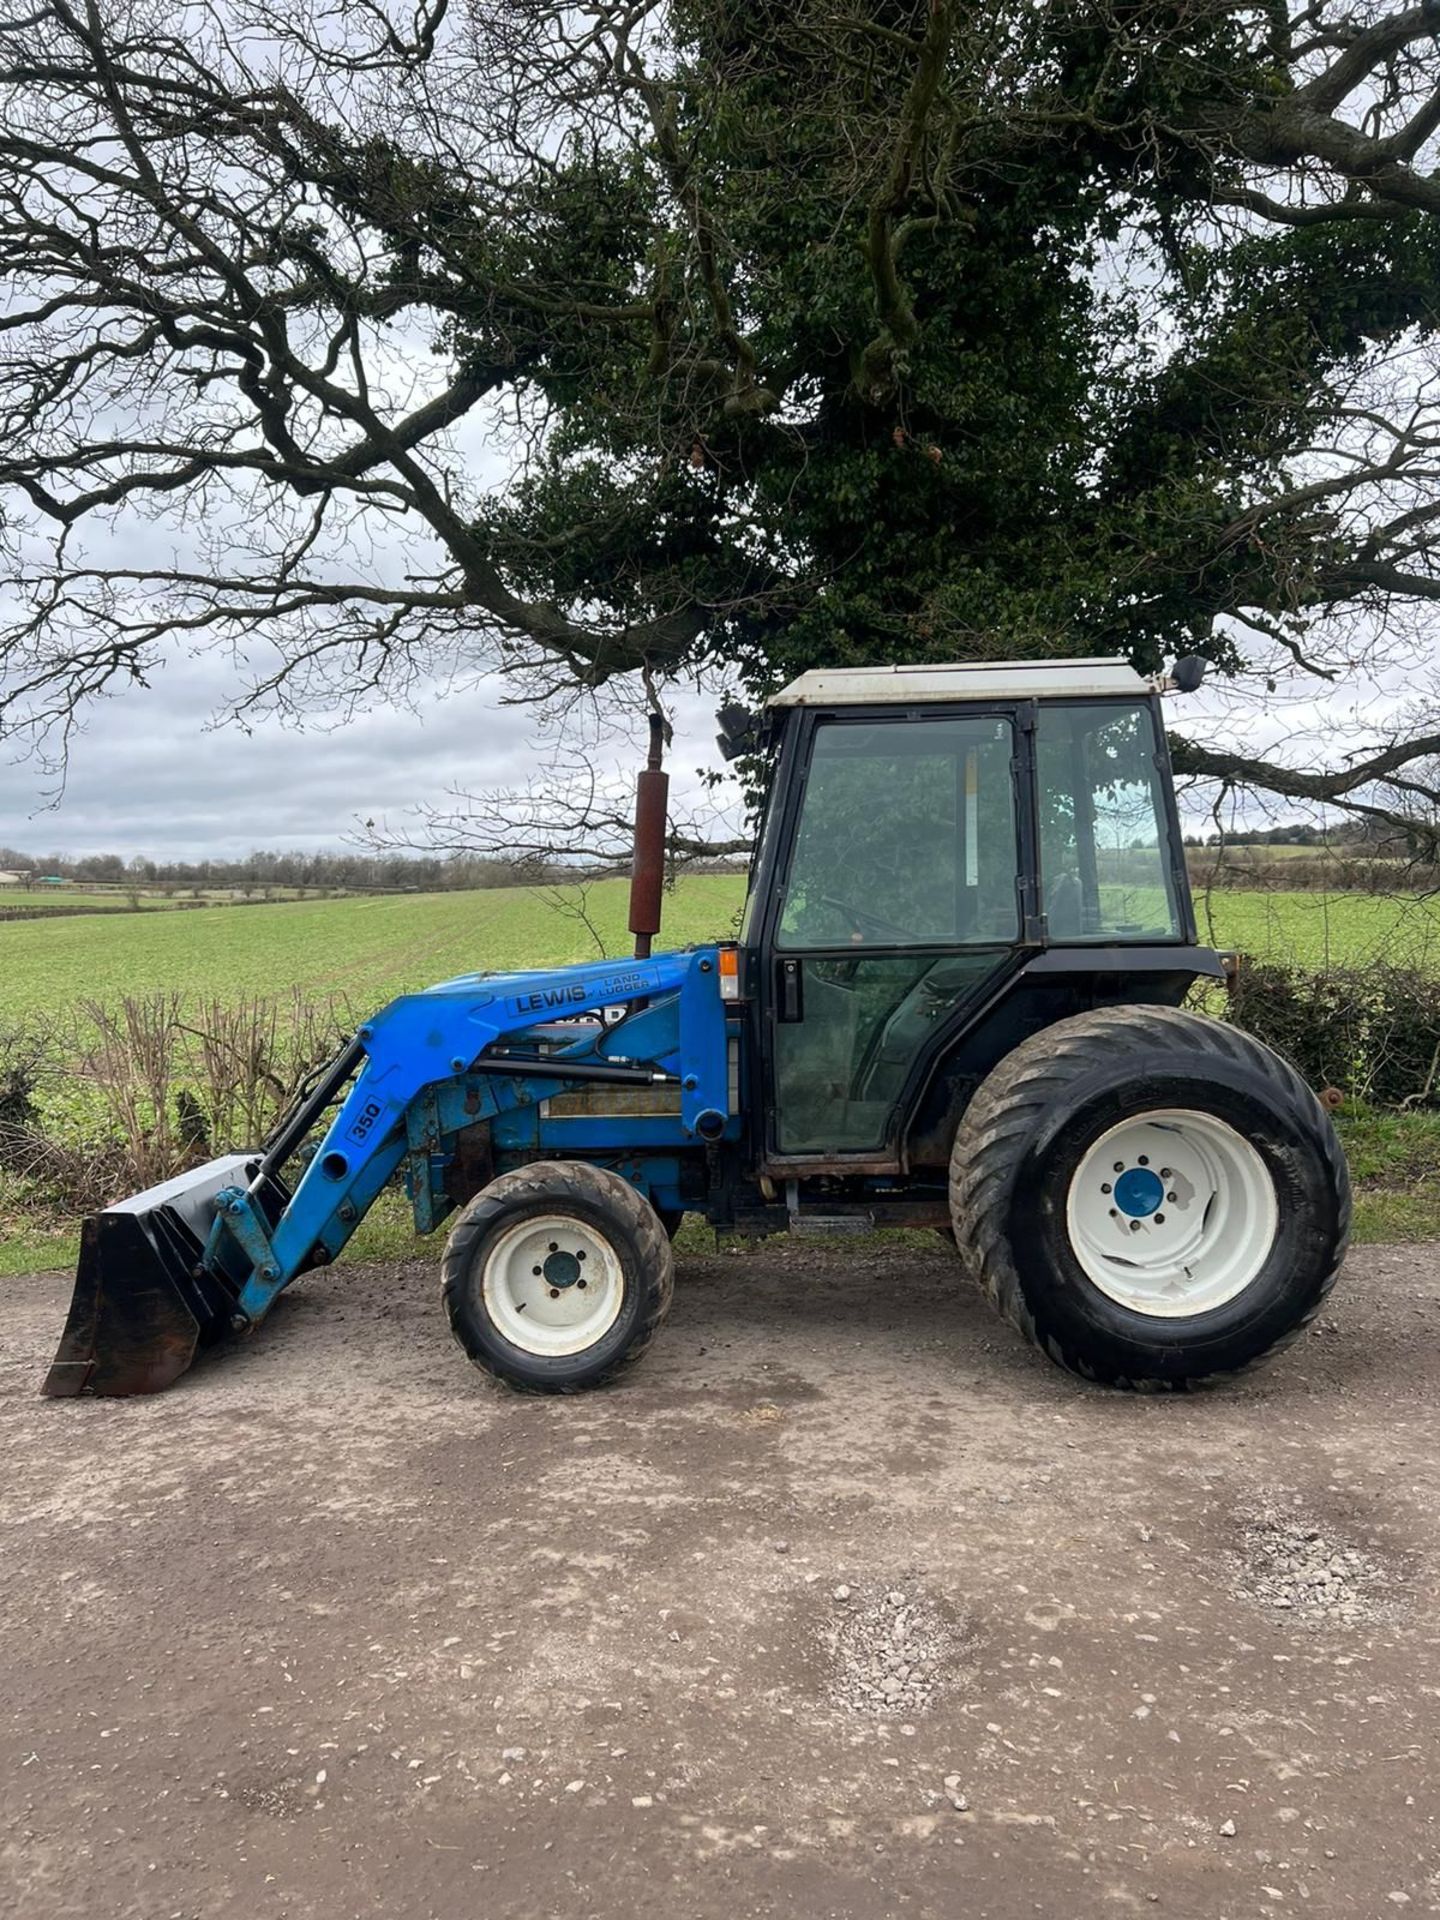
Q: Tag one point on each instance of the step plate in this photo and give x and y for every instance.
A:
(830, 1226)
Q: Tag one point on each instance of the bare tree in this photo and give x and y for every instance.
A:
(286, 287)
(584, 821)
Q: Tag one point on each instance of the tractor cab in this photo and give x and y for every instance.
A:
(930, 833)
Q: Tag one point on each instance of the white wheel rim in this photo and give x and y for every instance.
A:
(1172, 1213)
(553, 1284)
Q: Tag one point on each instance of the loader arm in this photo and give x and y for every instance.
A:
(172, 1269)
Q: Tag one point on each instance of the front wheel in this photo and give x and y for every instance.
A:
(556, 1276)
(1151, 1197)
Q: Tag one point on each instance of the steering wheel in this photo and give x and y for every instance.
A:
(859, 919)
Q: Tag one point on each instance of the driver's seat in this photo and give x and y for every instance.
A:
(932, 999)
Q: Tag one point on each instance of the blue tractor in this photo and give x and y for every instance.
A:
(953, 1002)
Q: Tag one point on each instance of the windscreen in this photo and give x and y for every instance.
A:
(906, 836)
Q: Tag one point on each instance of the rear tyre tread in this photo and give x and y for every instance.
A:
(1010, 1103)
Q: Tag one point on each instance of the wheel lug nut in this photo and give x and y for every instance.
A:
(1164, 1173)
(1159, 1219)
(1114, 1213)
(1119, 1166)
(554, 1293)
(581, 1285)
(1134, 1226)
(1171, 1198)
(537, 1271)
(1104, 1186)
(1144, 1159)
(581, 1254)
(554, 1246)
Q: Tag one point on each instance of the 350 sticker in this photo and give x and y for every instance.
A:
(365, 1120)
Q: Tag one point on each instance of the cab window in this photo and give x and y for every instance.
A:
(906, 837)
(1104, 830)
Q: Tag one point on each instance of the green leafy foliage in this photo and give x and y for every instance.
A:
(897, 392)
(1374, 1035)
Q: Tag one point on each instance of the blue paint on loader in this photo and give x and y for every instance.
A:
(172, 1269)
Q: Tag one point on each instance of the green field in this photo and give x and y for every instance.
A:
(60, 899)
(370, 948)
(114, 899)
(1325, 930)
(367, 949)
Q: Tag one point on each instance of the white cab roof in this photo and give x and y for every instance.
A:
(966, 680)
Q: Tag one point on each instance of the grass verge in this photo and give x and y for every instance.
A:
(1395, 1169)
(1394, 1164)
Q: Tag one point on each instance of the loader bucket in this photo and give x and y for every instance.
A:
(143, 1303)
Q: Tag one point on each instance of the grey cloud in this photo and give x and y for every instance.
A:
(150, 775)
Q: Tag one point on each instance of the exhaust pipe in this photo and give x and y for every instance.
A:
(647, 872)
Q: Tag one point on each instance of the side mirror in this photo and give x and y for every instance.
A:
(739, 731)
(1186, 674)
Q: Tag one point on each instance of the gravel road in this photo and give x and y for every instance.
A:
(843, 1604)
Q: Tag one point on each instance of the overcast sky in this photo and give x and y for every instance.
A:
(150, 775)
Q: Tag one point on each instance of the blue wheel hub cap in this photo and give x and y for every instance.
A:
(1138, 1192)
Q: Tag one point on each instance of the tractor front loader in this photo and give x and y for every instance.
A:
(953, 1002)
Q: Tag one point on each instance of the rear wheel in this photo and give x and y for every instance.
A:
(1151, 1197)
(556, 1276)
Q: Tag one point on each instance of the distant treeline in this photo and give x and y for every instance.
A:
(1352, 839)
(361, 872)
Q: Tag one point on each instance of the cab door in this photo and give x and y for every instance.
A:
(898, 899)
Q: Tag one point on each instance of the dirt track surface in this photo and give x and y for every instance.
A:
(844, 1603)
